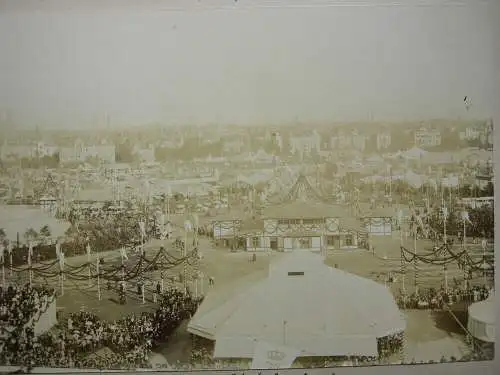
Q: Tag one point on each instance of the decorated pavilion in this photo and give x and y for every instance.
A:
(302, 219)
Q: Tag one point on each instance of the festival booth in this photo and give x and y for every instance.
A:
(378, 222)
(481, 321)
(299, 308)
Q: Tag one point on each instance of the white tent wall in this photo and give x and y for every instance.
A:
(481, 321)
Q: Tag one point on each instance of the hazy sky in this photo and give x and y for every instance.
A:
(244, 65)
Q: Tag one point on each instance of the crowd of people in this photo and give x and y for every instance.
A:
(79, 340)
(437, 299)
(19, 305)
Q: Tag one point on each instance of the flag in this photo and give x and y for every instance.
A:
(30, 252)
(142, 228)
(465, 217)
(9, 248)
(88, 249)
(2, 251)
(467, 102)
(58, 250)
(188, 226)
(269, 356)
(484, 243)
(123, 254)
(445, 212)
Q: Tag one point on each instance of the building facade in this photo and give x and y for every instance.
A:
(383, 140)
(427, 138)
(80, 153)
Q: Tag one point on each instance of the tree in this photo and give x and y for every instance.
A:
(401, 140)
(3, 237)
(30, 234)
(488, 190)
(45, 231)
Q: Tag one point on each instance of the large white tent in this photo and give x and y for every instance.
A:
(300, 303)
(481, 322)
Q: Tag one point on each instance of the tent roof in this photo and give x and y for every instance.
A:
(328, 306)
(304, 209)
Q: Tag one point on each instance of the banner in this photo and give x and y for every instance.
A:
(269, 356)
(123, 253)
(58, 250)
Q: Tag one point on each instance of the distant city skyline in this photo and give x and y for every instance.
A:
(247, 66)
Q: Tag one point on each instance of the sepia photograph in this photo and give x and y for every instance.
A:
(246, 186)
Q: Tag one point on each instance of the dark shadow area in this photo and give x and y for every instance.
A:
(444, 320)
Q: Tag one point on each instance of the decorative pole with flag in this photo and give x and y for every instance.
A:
(169, 193)
(124, 257)
(98, 279)
(9, 249)
(61, 271)
(30, 254)
(2, 259)
(403, 269)
(465, 219)
(484, 243)
(415, 267)
(445, 219)
(89, 263)
(187, 228)
(142, 228)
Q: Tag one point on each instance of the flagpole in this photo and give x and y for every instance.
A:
(123, 265)
(61, 270)
(10, 259)
(30, 250)
(464, 239)
(484, 262)
(3, 272)
(185, 260)
(98, 279)
(90, 264)
(415, 261)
